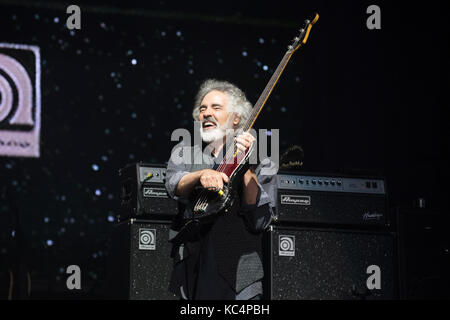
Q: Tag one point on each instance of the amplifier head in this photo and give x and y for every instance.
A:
(143, 193)
(331, 199)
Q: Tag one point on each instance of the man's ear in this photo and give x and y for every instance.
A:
(236, 119)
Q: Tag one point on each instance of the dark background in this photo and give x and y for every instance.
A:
(357, 100)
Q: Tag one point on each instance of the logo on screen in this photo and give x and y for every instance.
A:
(20, 104)
(147, 239)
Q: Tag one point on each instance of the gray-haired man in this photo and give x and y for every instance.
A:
(223, 260)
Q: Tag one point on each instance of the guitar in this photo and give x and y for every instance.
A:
(207, 204)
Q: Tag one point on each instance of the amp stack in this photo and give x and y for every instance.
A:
(139, 261)
(331, 239)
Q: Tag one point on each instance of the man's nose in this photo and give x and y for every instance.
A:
(208, 112)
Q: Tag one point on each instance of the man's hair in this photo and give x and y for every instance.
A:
(236, 99)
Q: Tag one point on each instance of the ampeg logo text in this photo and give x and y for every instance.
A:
(286, 246)
(20, 100)
(147, 239)
(298, 200)
(155, 193)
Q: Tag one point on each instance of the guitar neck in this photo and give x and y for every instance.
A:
(298, 42)
(267, 90)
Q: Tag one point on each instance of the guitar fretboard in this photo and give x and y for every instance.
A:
(267, 90)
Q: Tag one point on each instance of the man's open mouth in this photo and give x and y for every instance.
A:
(208, 125)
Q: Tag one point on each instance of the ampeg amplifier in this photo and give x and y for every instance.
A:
(143, 193)
(315, 198)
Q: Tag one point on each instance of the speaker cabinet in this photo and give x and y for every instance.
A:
(139, 263)
(424, 253)
(330, 264)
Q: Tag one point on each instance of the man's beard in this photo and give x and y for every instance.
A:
(215, 134)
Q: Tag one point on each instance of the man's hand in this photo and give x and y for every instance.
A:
(211, 179)
(244, 141)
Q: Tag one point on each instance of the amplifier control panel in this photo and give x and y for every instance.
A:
(156, 174)
(331, 184)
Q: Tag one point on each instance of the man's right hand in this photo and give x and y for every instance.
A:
(211, 179)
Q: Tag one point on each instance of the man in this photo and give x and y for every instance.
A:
(223, 260)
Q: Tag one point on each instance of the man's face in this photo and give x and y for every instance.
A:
(214, 116)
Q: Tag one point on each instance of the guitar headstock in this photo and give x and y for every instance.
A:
(303, 34)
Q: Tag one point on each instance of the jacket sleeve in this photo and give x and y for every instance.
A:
(259, 215)
(176, 169)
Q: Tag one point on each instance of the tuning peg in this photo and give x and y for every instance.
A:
(296, 39)
(290, 47)
(307, 21)
(301, 30)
